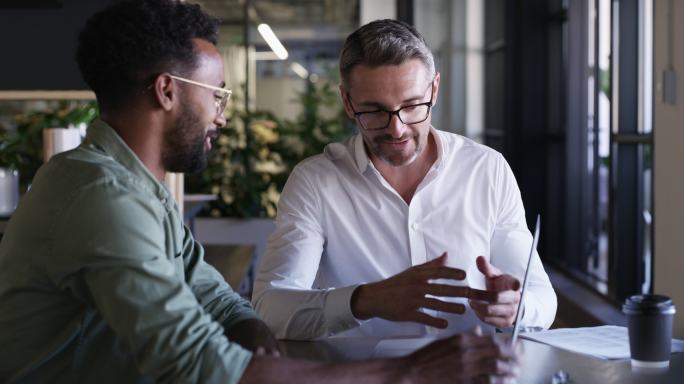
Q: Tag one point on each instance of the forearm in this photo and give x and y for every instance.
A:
(306, 314)
(264, 369)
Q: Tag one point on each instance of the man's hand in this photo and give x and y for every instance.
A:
(465, 358)
(254, 335)
(499, 306)
(470, 358)
(402, 296)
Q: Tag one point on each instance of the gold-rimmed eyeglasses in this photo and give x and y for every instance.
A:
(221, 95)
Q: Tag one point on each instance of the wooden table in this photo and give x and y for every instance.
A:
(539, 362)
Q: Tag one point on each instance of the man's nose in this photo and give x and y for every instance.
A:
(396, 127)
(220, 120)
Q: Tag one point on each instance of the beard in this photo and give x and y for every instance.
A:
(394, 158)
(184, 143)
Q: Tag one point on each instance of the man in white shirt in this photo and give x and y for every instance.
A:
(401, 230)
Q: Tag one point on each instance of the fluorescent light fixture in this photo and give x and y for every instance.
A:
(299, 70)
(264, 55)
(272, 41)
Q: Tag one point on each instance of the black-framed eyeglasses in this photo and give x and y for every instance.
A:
(380, 118)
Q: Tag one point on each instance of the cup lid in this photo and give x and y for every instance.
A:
(648, 304)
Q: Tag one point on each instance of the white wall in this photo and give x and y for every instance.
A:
(280, 95)
(370, 10)
(669, 164)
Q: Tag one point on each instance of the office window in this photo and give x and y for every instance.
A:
(568, 101)
(610, 153)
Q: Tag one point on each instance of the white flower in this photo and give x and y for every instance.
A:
(269, 167)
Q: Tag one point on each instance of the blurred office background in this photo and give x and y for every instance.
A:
(582, 97)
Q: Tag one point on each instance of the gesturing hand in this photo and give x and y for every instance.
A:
(465, 358)
(402, 296)
(254, 335)
(500, 307)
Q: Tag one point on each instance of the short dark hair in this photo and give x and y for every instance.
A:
(384, 42)
(126, 45)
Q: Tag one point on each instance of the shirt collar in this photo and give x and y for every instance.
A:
(108, 140)
(363, 161)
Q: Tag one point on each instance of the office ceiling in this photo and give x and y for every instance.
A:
(302, 13)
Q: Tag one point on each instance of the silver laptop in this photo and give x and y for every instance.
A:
(518, 314)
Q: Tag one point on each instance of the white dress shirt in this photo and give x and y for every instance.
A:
(340, 224)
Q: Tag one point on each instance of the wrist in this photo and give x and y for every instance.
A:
(404, 369)
(359, 307)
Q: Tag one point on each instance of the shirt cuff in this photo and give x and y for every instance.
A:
(337, 309)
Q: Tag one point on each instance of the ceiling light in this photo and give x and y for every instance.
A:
(264, 55)
(272, 41)
(299, 70)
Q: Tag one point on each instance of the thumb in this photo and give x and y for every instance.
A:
(487, 269)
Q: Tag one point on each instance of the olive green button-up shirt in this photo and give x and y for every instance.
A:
(100, 282)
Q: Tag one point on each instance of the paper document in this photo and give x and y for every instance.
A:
(605, 342)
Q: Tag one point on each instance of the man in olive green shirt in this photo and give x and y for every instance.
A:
(100, 281)
(96, 262)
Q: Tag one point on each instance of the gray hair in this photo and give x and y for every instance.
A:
(384, 42)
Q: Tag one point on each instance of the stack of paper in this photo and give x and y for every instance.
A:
(605, 342)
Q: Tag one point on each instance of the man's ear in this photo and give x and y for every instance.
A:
(165, 91)
(345, 100)
(435, 90)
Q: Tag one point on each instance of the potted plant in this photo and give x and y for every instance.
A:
(10, 159)
(251, 161)
(21, 148)
(256, 151)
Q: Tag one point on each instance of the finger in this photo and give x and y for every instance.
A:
(423, 318)
(504, 283)
(443, 306)
(488, 379)
(490, 353)
(501, 367)
(441, 272)
(494, 297)
(496, 370)
(260, 351)
(472, 341)
(495, 310)
(486, 268)
(444, 290)
(483, 295)
(500, 322)
(497, 321)
(481, 310)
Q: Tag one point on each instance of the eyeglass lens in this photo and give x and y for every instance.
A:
(411, 114)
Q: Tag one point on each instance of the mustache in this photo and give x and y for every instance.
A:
(212, 134)
(390, 139)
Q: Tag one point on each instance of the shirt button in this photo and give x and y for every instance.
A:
(415, 226)
(163, 200)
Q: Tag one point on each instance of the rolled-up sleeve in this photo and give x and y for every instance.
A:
(284, 296)
(120, 266)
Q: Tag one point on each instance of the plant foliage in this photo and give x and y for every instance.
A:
(256, 151)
